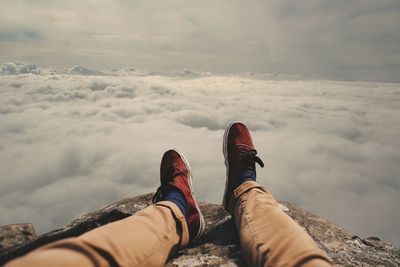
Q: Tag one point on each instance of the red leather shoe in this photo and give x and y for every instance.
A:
(239, 154)
(175, 171)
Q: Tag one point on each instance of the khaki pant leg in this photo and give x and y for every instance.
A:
(268, 236)
(147, 238)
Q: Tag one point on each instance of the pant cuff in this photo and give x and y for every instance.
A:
(243, 188)
(181, 222)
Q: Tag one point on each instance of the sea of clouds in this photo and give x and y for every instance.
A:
(78, 139)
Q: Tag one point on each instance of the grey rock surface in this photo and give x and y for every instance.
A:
(16, 234)
(220, 243)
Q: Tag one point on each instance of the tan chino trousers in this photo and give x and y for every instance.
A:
(268, 237)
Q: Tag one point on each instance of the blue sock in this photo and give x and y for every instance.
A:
(176, 196)
(243, 176)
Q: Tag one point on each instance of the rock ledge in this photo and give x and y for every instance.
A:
(219, 245)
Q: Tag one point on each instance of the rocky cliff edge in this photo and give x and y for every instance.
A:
(219, 245)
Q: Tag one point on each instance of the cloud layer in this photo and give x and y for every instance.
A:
(76, 140)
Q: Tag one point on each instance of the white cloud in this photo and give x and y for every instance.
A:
(71, 143)
(18, 68)
(79, 70)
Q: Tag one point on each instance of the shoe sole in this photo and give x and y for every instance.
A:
(225, 151)
(190, 178)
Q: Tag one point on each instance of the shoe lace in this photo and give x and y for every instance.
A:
(249, 155)
(172, 172)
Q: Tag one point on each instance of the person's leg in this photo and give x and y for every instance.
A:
(144, 239)
(147, 238)
(268, 236)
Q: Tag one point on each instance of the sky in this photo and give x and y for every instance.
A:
(110, 85)
(342, 40)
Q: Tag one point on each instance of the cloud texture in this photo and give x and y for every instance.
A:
(76, 140)
(345, 40)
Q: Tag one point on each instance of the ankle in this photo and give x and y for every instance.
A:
(175, 196)
(243, 176)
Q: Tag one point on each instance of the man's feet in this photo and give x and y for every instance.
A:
(240, 158)
(175, 174)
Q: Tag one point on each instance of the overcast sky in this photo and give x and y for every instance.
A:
(348, 40)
